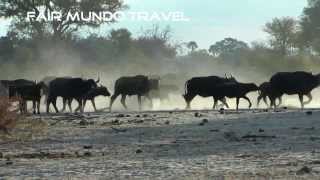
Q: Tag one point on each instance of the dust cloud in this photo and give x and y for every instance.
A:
(62, 61)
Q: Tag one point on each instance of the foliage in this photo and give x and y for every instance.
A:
(283, 34)
(310, 25)
(228, 49)
(192, 45)
(18, 10)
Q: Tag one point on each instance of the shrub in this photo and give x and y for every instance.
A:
(8, 114)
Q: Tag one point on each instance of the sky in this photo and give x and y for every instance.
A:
(209, 20)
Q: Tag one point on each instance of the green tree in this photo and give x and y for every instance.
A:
(227, 47)
(18, 9)
(121, 38)
(310, 25)
(283, 34)
(192, 45)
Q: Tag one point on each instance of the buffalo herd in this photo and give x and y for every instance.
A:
(219, 88)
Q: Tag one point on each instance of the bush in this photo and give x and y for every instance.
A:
(8, 114)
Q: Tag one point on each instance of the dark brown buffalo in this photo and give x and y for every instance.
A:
(290, 83)
(135, 85)
(69, 88)
(235, 90)
(91, 95)
(27, 93)
(265, 91)
(205, 87)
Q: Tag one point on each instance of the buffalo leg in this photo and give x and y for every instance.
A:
(93, 104)
(301, 101)
(34, 107)
(224, 101)
(259, 99)
(69, 105)
(22, 106)
(265, 100)
(80, 107)
(272, 102)
(215, 102)
(84, 103)
(246, 98)
(139, 102)
(64, 102)
(54, 102)
(47, 105)
(237, 103)
(310, 99)
(280, 101)
(25, 108)
(112, 99)
(123, 101)
(38, 106)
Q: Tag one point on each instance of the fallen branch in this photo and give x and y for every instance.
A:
(257, 136)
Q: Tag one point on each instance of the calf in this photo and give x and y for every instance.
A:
(91, 95)
(27, 93)
(265, 91)
(236, 90)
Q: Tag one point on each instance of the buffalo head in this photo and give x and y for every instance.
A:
(104, 91)
(252, 87)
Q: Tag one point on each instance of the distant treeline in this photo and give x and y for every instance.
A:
(35, 48)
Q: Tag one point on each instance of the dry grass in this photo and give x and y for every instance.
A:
(16, 127)
(8, 114)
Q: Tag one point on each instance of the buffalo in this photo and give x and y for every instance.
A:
(27, 93)
(265, 91)
(139, 85)
(205, 87)
(6, 84)
(45, 82)
(235, 90)
(91, 95)
(290, 83)
(68, 89)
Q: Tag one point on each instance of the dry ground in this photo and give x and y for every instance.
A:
(164, 145)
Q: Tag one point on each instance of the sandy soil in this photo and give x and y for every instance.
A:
(165, 145)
